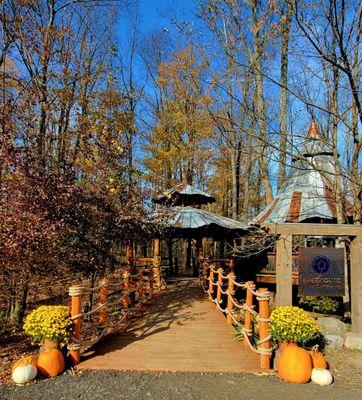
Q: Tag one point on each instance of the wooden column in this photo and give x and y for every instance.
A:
(356, 283)
(264, 328)
(76, 308)
(284, 283)
(199, 257)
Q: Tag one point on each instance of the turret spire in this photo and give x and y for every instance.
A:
(313, 130)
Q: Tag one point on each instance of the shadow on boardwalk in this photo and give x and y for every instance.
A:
(172, 307)
(180, 331)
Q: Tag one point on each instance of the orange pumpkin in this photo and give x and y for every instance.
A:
(51, 363)
(295, 364)
(318, 359)
(283, 345)
(25, 360)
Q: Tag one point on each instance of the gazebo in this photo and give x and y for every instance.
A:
(307, 194)
(306, 206)
(189, 221)
(183, 195)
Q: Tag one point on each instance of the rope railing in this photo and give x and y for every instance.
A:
(214, 281)
(116, 300)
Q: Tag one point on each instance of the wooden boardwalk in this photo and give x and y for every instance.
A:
(180, 331)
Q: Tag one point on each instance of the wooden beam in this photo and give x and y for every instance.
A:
(356, 283)
(313, 229)
(284, 283)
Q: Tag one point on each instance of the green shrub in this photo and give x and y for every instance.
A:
(325, 305)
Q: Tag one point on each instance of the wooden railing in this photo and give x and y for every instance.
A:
(118, 299)
(222, 288)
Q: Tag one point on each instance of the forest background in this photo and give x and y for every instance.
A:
(106, 103)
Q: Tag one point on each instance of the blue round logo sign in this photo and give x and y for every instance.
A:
(321, 265)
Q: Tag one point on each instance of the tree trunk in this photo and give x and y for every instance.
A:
(19, 305)
(283, 102)
(262, 146)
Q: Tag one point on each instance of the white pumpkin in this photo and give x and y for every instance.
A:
(321, 376)
(24, 374)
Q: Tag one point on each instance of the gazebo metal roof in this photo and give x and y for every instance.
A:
(192, 222)
(184, 194)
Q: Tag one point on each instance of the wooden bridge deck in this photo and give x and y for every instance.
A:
(180, 331)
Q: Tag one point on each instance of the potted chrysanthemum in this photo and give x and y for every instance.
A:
(51, 327)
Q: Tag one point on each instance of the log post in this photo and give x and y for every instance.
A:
(211, 281)
(103, 297)
(75, 292)
(283, 269)
(232, 265)
(199, 257)
(126, 286)
(264, 327)
(356, 287)
(129, 254)
(230, 304)
(219, 287)
(249, 303)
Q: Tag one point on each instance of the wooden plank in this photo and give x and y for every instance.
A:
(314, 229)
(271, 278)
(284, 282)
(356, 283)
(181, 331)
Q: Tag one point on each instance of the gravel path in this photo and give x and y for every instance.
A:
(107, 385)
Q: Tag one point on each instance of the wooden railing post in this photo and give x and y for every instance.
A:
(211, 281)
(249, 303)
(150, 279)
(220, 282)
(230, 304)
(157, 264)
(264, 327)
(126, 286)
(75, 292)
(103, 297)
(140, 282)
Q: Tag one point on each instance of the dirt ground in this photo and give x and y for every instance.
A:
(345, 365)
(104, 385)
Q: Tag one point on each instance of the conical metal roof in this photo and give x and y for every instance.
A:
(307, 193)
(184, 194)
